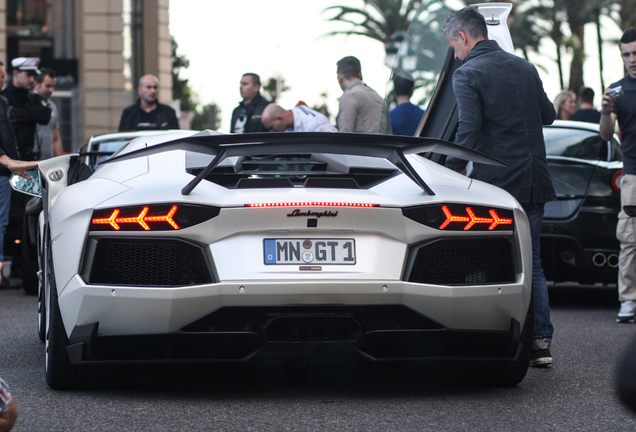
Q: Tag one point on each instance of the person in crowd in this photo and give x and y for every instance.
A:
(246, 117)
(8, 408)
(361, 109)
(565, 104)
(498, 92)
(48, 136)
(9, 152)
(27, 108)
(406, 116)
(623, 109)
(147, 113)
(586, 111)
(299, 119)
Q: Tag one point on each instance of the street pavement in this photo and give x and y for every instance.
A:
(332, 394)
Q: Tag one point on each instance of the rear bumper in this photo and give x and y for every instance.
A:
(237, 334)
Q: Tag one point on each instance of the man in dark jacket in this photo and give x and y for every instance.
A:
(502, 109)
(8, 164)
(27, 109)
(147, 113)
(246, 118)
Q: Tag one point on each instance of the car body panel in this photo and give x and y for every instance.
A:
(166, 253)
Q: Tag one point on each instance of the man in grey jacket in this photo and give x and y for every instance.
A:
(502, 109)
(361, 109)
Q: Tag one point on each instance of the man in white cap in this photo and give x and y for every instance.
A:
(27, 108)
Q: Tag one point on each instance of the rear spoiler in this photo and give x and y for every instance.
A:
(393, 148)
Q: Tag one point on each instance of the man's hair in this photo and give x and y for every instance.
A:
(403, 85)
(255, 78)
(349, 67)
(586, 95)
(467, 20)
(629, 36)
(44, 72)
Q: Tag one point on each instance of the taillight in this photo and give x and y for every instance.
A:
(616, 181)
(312, 204)
(156, 217)
(457, 217)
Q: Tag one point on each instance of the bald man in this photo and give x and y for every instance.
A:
(147, 113)
(298, 119)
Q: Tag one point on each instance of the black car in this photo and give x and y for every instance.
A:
(578, 240)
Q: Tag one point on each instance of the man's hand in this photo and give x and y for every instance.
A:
(18, 167)
(608, 101)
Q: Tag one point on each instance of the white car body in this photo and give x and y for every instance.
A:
(227, 302)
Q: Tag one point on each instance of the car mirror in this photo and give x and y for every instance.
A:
(27, 186)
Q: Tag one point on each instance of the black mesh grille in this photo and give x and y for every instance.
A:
(463, 262)
(148, 262)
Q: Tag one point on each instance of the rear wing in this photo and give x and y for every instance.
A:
(392, 148)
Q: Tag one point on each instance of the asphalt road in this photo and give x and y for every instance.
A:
(576, 394)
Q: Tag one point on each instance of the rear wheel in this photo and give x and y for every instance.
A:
(43, 288)
(515, 372)
(61, 374)
(509, 373)
(29, 263)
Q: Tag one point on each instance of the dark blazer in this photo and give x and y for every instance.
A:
(27, 110)
(502, 109)
(8, 144)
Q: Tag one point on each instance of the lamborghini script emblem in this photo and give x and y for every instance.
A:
(309, 213)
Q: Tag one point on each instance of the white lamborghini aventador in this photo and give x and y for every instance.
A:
(210, 247)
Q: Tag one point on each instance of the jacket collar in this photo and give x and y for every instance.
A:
(483, 47)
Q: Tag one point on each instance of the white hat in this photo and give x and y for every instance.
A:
(26, 64)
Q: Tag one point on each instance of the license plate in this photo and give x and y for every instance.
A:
(310, 251)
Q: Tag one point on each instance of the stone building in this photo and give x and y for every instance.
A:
(99, 49)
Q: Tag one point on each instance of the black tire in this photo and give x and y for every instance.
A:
(61, 374)
(515, 372)
(43, 288)
(29, 263)
(510, 373)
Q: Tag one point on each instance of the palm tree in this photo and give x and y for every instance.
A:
(376, 19)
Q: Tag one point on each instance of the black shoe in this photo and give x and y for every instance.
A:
(541, 358)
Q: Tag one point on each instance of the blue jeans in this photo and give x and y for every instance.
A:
(543, 329)
(5, 203)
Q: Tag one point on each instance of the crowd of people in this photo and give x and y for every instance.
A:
(28, 132)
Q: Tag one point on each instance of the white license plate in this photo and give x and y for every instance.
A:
(310, 251)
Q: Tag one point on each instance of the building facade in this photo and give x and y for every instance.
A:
(99, 49)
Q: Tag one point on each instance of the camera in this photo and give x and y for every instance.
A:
(616, 91)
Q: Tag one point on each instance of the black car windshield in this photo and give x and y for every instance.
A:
(578, 143)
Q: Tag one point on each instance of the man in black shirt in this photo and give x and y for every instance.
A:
(147, 113)
(587, 112)
(27, 108)
(246, 117)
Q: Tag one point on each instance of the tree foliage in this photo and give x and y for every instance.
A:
(534, 25)
(181, 89)
(274, 87)
(376, 19)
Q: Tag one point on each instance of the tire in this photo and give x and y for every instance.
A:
(61, 374)
(29, 263)
(510, 373)
(43, 288)
(515, 372)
